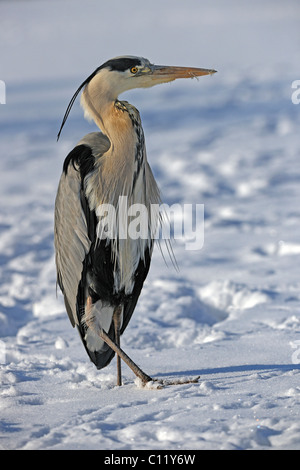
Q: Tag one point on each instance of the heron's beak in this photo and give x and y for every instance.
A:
(163, 73)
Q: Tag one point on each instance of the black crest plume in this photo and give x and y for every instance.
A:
(86, 81)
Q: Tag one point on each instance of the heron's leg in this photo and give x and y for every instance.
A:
(135, 369)
(117, 324)
(115, 347)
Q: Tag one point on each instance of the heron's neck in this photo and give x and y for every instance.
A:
(118, 120)
(121, 168)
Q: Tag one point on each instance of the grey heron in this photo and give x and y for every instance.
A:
(100, 277)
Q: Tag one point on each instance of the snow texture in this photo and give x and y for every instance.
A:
(231, 313)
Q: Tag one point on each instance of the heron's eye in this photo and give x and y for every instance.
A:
(134, 70)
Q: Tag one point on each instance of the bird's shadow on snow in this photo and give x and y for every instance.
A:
(257, 368)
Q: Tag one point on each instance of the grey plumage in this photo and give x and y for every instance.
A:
(70, 235)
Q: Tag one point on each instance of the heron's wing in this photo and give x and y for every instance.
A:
(71, 234)
(70, 238)
(140, 276)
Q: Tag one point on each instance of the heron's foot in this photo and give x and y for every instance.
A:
(158, 384)
(143, 380)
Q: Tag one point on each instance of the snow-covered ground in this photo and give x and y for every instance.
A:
(231, 313)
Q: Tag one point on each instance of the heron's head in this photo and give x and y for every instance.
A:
(127, 72)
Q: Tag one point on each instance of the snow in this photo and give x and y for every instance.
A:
(231, 313)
